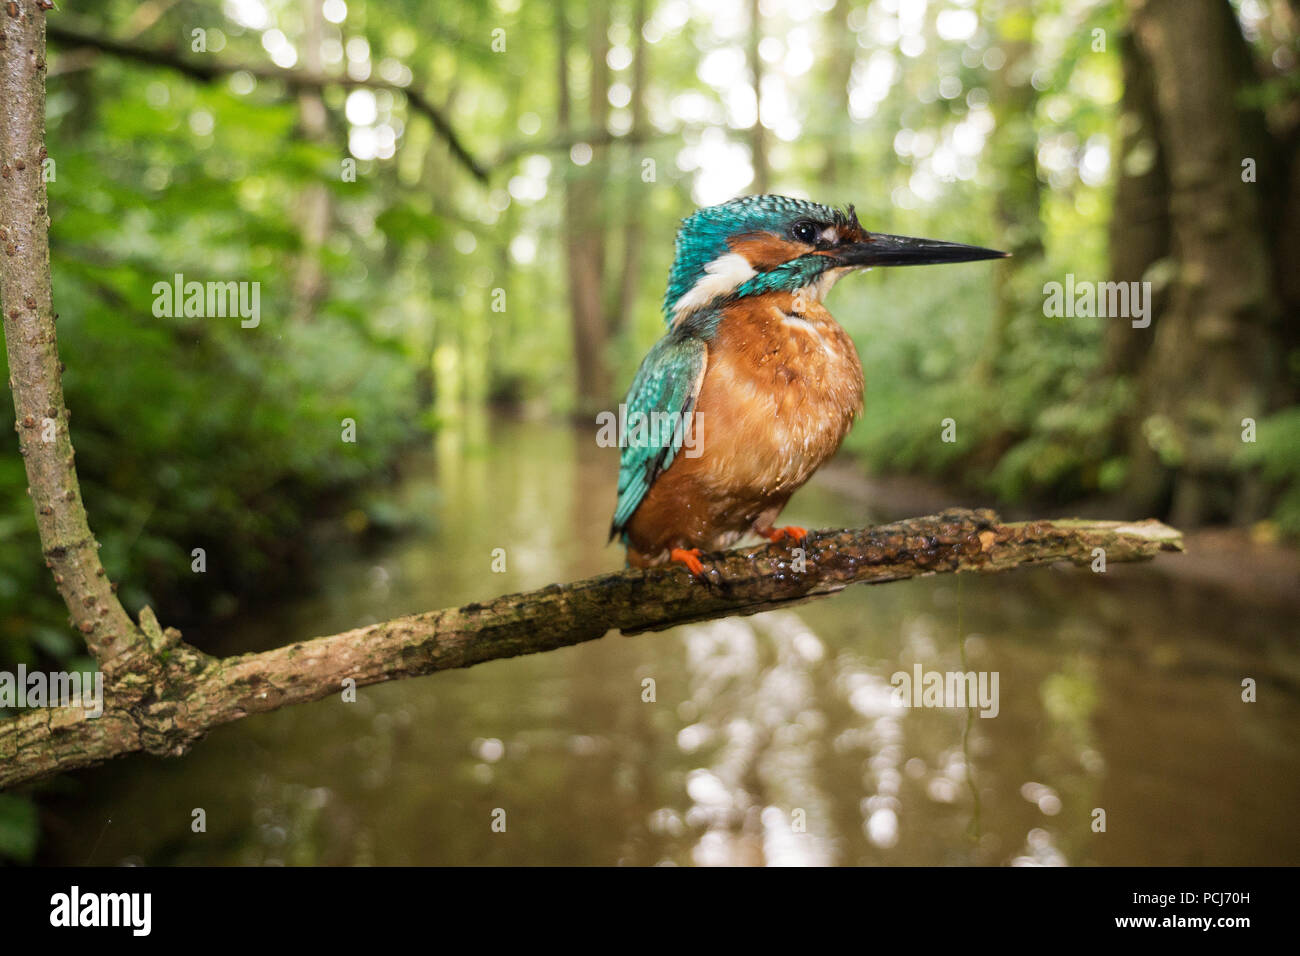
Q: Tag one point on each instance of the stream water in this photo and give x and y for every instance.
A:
(772, 739)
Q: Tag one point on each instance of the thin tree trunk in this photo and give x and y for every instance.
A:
(35, 372)
(1015, 156)
(842, 44)
(758, 135)
(637, 195)
(584, 234)
(1284, 215)
(309, 283)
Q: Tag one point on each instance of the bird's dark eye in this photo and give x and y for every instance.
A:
(805, 230)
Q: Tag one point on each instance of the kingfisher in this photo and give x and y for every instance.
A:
(754, 385)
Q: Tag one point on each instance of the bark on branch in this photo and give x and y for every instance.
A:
(166, 709)
(35, 373)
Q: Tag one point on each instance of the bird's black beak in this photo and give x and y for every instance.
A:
(882, 250)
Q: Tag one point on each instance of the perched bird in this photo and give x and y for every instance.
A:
(754, 385)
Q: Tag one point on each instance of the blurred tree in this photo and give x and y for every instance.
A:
(757, 132)
(1213, 358)
(840, 44)
(309, 287)
(584, 212)
(634, 222)
(1014, 156)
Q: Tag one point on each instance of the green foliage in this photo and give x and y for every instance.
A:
(1035, 421)
(19, 828)
(196, 432)
(1276, 453)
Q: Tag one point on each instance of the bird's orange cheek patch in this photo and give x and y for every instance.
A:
(766, 251)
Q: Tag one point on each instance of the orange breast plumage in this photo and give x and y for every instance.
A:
(781, 389)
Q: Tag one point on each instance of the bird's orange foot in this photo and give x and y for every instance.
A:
(780, 534)
(689, 557)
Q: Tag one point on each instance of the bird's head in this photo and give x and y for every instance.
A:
(761, 244)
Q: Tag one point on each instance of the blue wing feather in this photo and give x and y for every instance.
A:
(668, 381)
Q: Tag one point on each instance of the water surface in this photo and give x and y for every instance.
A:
(770, 739)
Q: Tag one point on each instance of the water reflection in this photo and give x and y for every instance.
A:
(773, 739)
(752, 702)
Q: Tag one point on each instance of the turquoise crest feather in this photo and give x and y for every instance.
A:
(702, 237)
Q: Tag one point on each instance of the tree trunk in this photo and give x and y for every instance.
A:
(1015, 156)
(1139, 226)
(584, 226)
(41, 418)
(842, 46)
(1139, 238)
(309, 283)
(633, 222)
(1212, 359)
(757, 136)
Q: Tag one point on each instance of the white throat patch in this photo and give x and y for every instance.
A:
(721, 276)
(818, 290)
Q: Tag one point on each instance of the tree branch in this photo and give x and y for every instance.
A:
(210, 69)
(166, 713)
(35, 373)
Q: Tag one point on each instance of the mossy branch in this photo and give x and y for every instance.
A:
(183, 694)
